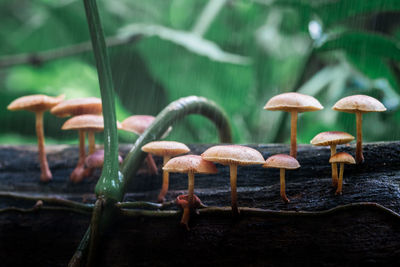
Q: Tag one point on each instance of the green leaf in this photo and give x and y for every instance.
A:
(190, 41)
(364, 44)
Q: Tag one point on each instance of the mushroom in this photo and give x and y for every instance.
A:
(38, 104)
(96, 160)
(282, 162)
(165, 149)
(75, 107)
(90, 124)
(342, 158)
(138, 124)
(332, 139)
(183, 202)
(294, 103)
(233, 155)
(359, 104)
(190, 164)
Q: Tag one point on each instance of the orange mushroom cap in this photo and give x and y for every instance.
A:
(79, 106)
(359, 103)
(190, 163)
(35, 103)
(282, 161)
(331, 138)
(137, 123)
(233, 154)
(342, 157)
(165, 148)
(86, 122)
(293, 102)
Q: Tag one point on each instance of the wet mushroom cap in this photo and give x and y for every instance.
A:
(165, 148)
(137, 123)
(359, 103)
(293, 102)
(342, 157)
(79, 106)
(282, 161)
(35, 103)
(86, 122)
(331, 138)
(233, 154)
(190, 163)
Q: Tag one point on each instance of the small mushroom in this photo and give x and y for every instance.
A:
(342, 158)
(96, 160)
(38, 104)
(332, 139)
(76, 107)
(183, 202)
(88, 123)
(294, 103)
(282, 162)
(165, 149)
(190, 164)
(233, 155)
(359, 104)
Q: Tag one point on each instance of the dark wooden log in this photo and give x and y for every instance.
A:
(358, 235)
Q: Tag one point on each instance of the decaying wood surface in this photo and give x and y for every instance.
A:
(359, 235)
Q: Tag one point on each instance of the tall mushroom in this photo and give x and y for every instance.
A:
(294, 103)
(38, 104)
(76, 107)
(282, 162)
(332, 139)
(190, 164)
(359, 104)
(90, 124)
(342, 158)
(165, 149)
(233, 155)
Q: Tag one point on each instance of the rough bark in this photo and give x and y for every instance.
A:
(361, 236)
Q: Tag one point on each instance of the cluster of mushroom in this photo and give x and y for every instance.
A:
(358, 104)
(87, 118)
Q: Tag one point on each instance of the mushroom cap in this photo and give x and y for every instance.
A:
(96, 160)
(233, 154)
(137, 123)
(293, 102)
(79, 106)
(331, 138)
(165, 148)
(281, 161)
(87, 122)
(359, 103)
(190, 163)
(35, 103)
(342, 157)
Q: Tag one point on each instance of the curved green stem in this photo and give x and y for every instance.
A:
(173, 112)
(109, 184)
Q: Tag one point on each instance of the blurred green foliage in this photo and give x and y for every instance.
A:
(238, 53)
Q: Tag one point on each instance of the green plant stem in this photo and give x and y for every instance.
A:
(49, 200)
(172, 113)
(76, 260)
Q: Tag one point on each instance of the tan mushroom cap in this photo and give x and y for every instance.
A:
(233, 154)
(331, 138)
(35, 103)
(137, 123)
(79, 106)
(293, 102)
(342, 157)
(165, 148)
(190, 163)
(359, 103)
(281, 161)
(86, 122)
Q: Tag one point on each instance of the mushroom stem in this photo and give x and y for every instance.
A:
(151, 165)
(45, 174)
(191, 188)
(334, 167)
(339, 188)
(283, 192)
(185, 217)
(293, 134)
(92, 142)
(233, 177)
(78, 173)
(164, 188)
(359, 153)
